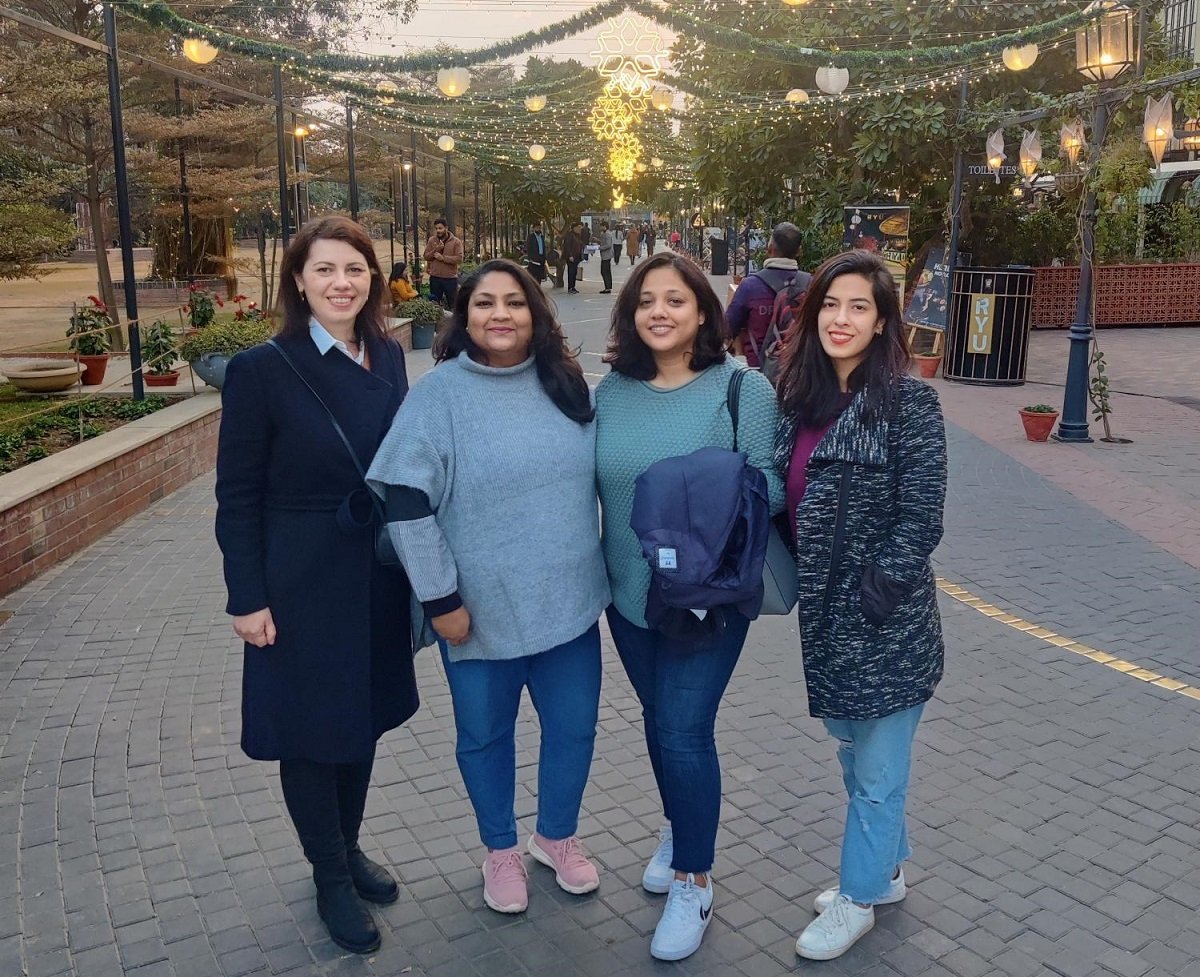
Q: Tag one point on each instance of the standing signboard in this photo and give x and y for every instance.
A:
(883, 230)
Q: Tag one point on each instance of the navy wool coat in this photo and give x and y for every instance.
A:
(871, 516)
(295, 526)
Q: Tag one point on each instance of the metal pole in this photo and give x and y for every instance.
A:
(350, 159)
(415, 215)
(294, 192)
(449, 197)
(956, 195)
(476, 211)
(403, 215)
(495, 229)
(1074, 423)
(184, 192)
(124, 220)
(284, 219)
(392, 233)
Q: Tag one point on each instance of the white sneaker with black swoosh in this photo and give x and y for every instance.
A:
(685, 918)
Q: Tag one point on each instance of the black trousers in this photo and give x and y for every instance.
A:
(443, 290)
(572, 272)
(616, 252)
(606, 272)
(326, 803)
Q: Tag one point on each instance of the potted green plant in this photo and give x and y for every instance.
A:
(158, 355)
(202, 306)
(1038, 420)
(88, 335)
(208, 351)
(425, 317)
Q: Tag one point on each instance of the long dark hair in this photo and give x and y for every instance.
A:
(627, 353)
(293, 307)
(558, 369)
(808, 385)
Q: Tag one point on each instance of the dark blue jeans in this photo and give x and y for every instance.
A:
(564, 686)
(680, 689)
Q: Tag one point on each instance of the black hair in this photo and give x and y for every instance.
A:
(441, 220)
(808, 388)
(787, 238)
(627, 353)
(397, 271)
(293, 305)
(557, 366)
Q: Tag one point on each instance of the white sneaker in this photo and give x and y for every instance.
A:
(835, 931)
(685, 918)
(896, 892)
(659, 875)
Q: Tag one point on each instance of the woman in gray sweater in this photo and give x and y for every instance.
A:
(488, 476)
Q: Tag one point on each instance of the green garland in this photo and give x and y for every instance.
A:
(159, 14)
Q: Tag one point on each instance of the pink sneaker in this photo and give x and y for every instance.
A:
(572, 870)
(504, 878)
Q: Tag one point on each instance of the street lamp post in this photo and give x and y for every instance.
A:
(352, 175)
(285, 231)
(1104, 51)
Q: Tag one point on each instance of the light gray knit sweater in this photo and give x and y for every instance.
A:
(512, 484)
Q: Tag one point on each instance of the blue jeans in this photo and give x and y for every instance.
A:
(564, 686)
(876, 758)
(680, 689)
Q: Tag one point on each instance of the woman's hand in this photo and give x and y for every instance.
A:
(256, 629)
(455, 627)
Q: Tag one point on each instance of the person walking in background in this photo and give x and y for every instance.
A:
(605, 241)
(572, 253)
(667, 395)
(399, 286)
(328, 656)
(753, 304)
(618, 242)
(863, 448)
(488, 476)
(443, 255)
(535, 252)
(632, 244)
(585, 238)
(651, 238)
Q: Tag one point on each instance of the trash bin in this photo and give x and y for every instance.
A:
(987, 337)
(720, 255)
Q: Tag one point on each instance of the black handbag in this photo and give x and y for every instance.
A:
(385, 549)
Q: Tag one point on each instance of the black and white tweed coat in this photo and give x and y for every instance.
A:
(871, 516)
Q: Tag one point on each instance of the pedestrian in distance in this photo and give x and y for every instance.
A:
(667, 395)
(535, 252)
(573, 254)
(633, 244)
(488, 477)
(328, 655)
(605, 241)
(443, 255)
(753, 304)
(618, 242)
(863, 448)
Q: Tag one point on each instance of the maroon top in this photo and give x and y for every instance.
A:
(807, 439)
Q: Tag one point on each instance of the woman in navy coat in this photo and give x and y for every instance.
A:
(328, 660)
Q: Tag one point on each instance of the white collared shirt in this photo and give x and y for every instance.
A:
(321, 336)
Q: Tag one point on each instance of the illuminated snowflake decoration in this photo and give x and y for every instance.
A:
(623, 157)
(612, 114)
(630, 53)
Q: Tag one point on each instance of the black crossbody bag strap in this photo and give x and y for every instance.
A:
(733, 396)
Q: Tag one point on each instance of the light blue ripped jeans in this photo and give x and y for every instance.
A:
(876, 758)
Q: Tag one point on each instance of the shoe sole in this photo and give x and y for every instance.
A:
(544, 859)
(356, 949)
(658, 890)
(378, 900)
(832, 954)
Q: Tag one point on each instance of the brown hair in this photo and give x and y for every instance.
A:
(627, 353)
(293, 307)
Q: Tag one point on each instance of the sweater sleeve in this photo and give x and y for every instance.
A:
(921, 480)
(758, 418)
(416, 454)
(243, 449)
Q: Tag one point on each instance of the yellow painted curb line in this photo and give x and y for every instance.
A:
(1066, 644)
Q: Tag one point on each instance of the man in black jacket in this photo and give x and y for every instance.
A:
(535, 252)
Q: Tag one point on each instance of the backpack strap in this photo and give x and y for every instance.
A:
(733, 396)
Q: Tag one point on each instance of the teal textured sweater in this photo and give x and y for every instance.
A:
(638, 424)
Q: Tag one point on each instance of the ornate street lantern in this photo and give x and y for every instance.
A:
(995, 153)
(1104, 47)
(1158, 126)
(453, 81)
(1191, 134)
(1031, 154)
(1072, 141)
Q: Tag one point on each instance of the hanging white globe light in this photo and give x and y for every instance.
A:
(198, 50)
(453, 81)
(833, 81)
(796, 96)
(387, 89)
(446, 143)
(1020, 58)
(656, 162)
(537, 152)
(582, 164)
(535, 103)
(662, 99)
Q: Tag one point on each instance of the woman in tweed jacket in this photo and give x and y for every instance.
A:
(863, 448)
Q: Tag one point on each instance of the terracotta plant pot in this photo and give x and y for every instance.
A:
(93, 369)
(927, 364)
(168, 379)
(1038, 424)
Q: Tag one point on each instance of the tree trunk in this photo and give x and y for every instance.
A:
(91, 164)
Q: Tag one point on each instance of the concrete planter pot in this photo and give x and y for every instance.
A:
(43, 376)
(211, 368)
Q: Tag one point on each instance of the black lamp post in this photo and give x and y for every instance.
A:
(1104, 50)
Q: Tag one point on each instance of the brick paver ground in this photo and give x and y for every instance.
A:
(1054, 811)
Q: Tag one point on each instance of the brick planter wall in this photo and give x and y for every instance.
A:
(1126, 295)
(53, 508)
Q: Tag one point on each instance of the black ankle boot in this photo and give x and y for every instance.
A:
(371, 880)
(349, 923)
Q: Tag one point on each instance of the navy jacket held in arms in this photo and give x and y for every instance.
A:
(295, 525)
(702, 521)
(870, 518)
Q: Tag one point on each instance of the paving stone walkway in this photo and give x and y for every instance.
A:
(1054, 812)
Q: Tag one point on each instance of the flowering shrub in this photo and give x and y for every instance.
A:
(251, 313)
(87, 329)
(202, 306)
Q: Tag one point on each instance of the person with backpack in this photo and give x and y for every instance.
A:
(667, 396)
(863, 448)
(752, 313)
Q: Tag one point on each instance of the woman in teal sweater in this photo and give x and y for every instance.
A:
(665, 397)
